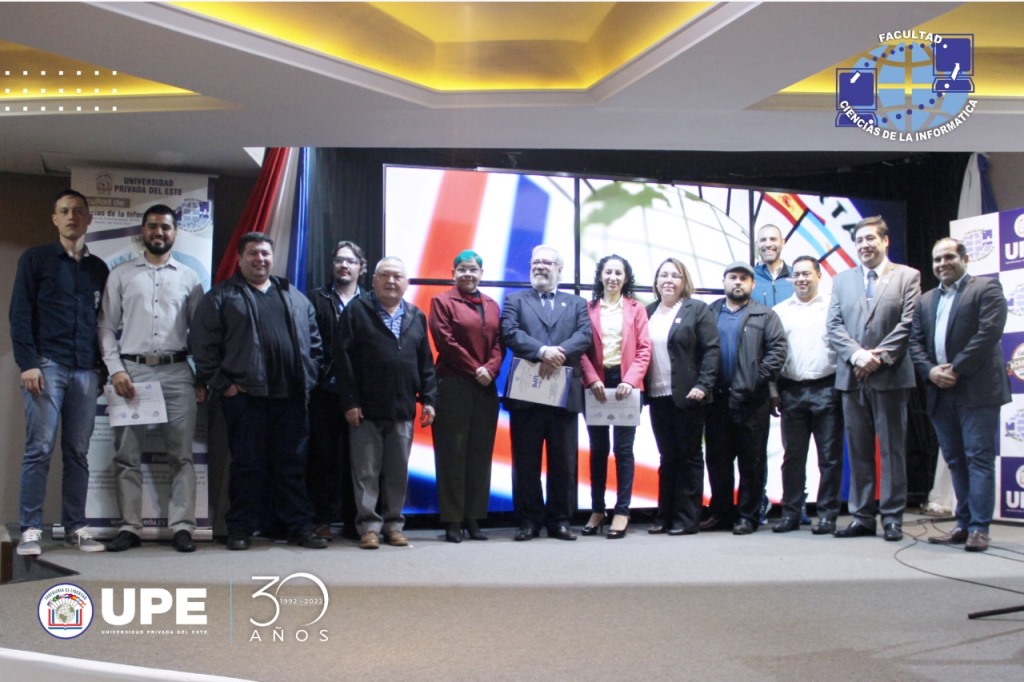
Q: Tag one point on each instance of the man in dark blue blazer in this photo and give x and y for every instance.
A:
(552, 328)
(954, 344)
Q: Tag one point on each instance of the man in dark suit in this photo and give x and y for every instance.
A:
(869, 322)
(954, 345)
(552, 328)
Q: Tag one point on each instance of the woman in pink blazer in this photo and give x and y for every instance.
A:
(613, 367)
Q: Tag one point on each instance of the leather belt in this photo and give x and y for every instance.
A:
(823, 381)
(156, 360)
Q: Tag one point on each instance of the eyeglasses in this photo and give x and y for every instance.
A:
(345, 261)
(546, 263)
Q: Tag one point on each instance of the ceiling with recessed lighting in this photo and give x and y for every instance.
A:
(190, 85)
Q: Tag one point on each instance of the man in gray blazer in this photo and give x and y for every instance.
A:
(869, 322)
(552, 328)
(954, 345)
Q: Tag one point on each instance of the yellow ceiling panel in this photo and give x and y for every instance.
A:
(30, 74)
(469, 46)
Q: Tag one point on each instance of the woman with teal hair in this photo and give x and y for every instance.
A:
(465, 326)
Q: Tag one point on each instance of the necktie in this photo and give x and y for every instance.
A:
(872, 276)
(548, 301)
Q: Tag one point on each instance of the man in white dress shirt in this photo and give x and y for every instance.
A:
(152, 298)
(809, 401)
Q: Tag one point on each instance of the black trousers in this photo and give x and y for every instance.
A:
(531, 429)
(467, 418)
(811, 408)
(329, 466)
(678, 433)
(268, 438)
(740, 435)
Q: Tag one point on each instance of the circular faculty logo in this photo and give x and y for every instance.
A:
(1020, 476)
(979, 244)
(65, 611)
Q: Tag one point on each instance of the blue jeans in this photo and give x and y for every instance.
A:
(69, 397)
(967, 436)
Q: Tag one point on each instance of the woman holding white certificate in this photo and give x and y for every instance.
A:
(684, 363)
(613, 367)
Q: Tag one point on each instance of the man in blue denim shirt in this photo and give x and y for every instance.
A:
(57, 292)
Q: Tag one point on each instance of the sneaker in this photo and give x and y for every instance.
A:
(29, 545)
(82, 540)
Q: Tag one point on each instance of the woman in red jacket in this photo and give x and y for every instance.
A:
(464, 324)
(613, 368)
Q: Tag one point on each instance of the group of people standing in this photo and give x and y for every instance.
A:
(320, 393)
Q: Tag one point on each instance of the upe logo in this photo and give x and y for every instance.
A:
(65, 611)
(913, 87)
(189, 604)
(300, 602)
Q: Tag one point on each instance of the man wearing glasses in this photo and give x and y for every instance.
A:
(329, 468)
(546, 326)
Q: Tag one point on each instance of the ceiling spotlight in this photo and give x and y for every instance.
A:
(42, 73)
(113, 108)
(60, 73)
(95, 73)
(60, 108)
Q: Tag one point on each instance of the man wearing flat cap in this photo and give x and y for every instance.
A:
(753, 350)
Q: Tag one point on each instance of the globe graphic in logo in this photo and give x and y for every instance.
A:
(906, 102)
(1015, 301)
(979, 244)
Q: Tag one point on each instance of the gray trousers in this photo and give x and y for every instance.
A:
(867, 412)
(178, 385)
(380, 472)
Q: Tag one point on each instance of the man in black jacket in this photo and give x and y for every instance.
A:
(384, 366)
(255, 343)
(753, 350)
(329, 470)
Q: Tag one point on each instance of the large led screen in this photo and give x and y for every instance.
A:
(433, 214)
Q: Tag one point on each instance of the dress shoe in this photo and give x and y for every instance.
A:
(957, 536)
(239, 541)
(594, 525)
(657, 529)
(369, 540)
(453, 533)
(396, 538)
(824, 527)
(977, 541)
(854, 530)
(787, 524)
(309, 540)
(676, 530)
(527, 531)
(893, 532)
(182, 541)
(714, 522)
(617, 530)
(324, 531)
(743, 527)
(473, 530)
(125, 540)
(561, 532)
